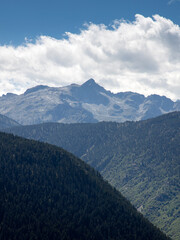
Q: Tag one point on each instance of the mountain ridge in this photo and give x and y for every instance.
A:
(47, 193)
(141, 159)
(88, 102)
(6, 122)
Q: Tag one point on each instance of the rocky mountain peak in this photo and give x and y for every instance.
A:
(35, 89)
(90, 82)
(92, 85)
(88, 102)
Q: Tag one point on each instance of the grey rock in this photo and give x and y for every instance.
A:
(88, 102)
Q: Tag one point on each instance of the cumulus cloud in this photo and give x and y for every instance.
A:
(141, 56)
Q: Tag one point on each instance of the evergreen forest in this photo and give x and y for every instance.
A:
(48, 193)
(141, 159)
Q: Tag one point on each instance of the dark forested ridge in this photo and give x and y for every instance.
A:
(47, 193)
(141, 159)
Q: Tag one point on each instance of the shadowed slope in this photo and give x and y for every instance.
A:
(47, 193)
(141, 159)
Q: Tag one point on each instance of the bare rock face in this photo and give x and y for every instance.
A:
(88, 102)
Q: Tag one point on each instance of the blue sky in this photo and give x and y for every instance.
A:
(125, 45)
(25, 18)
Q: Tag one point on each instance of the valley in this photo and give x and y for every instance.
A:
(140, 159)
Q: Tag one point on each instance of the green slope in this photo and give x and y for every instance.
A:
(141, 159)
(47, 193)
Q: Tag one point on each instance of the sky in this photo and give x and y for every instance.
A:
(131, 45)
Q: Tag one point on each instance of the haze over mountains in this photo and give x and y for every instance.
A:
(88, 102)
(6, 122)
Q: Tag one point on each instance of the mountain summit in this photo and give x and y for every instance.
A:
(91, 82)
(88, 102)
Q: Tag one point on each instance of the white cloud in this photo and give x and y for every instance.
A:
(173, 1)
(141, 56)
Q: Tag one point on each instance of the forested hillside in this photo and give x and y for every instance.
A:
(47, 193)
(141, 159)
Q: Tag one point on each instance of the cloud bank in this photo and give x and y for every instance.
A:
(141, 56)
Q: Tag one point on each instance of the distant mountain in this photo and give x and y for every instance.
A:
(47, 193)
(141, 159)
(88, 102)
(6, 122)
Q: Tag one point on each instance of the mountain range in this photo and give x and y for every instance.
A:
(141, 159)
(47, 193)
(135, 152)
(88, 102)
